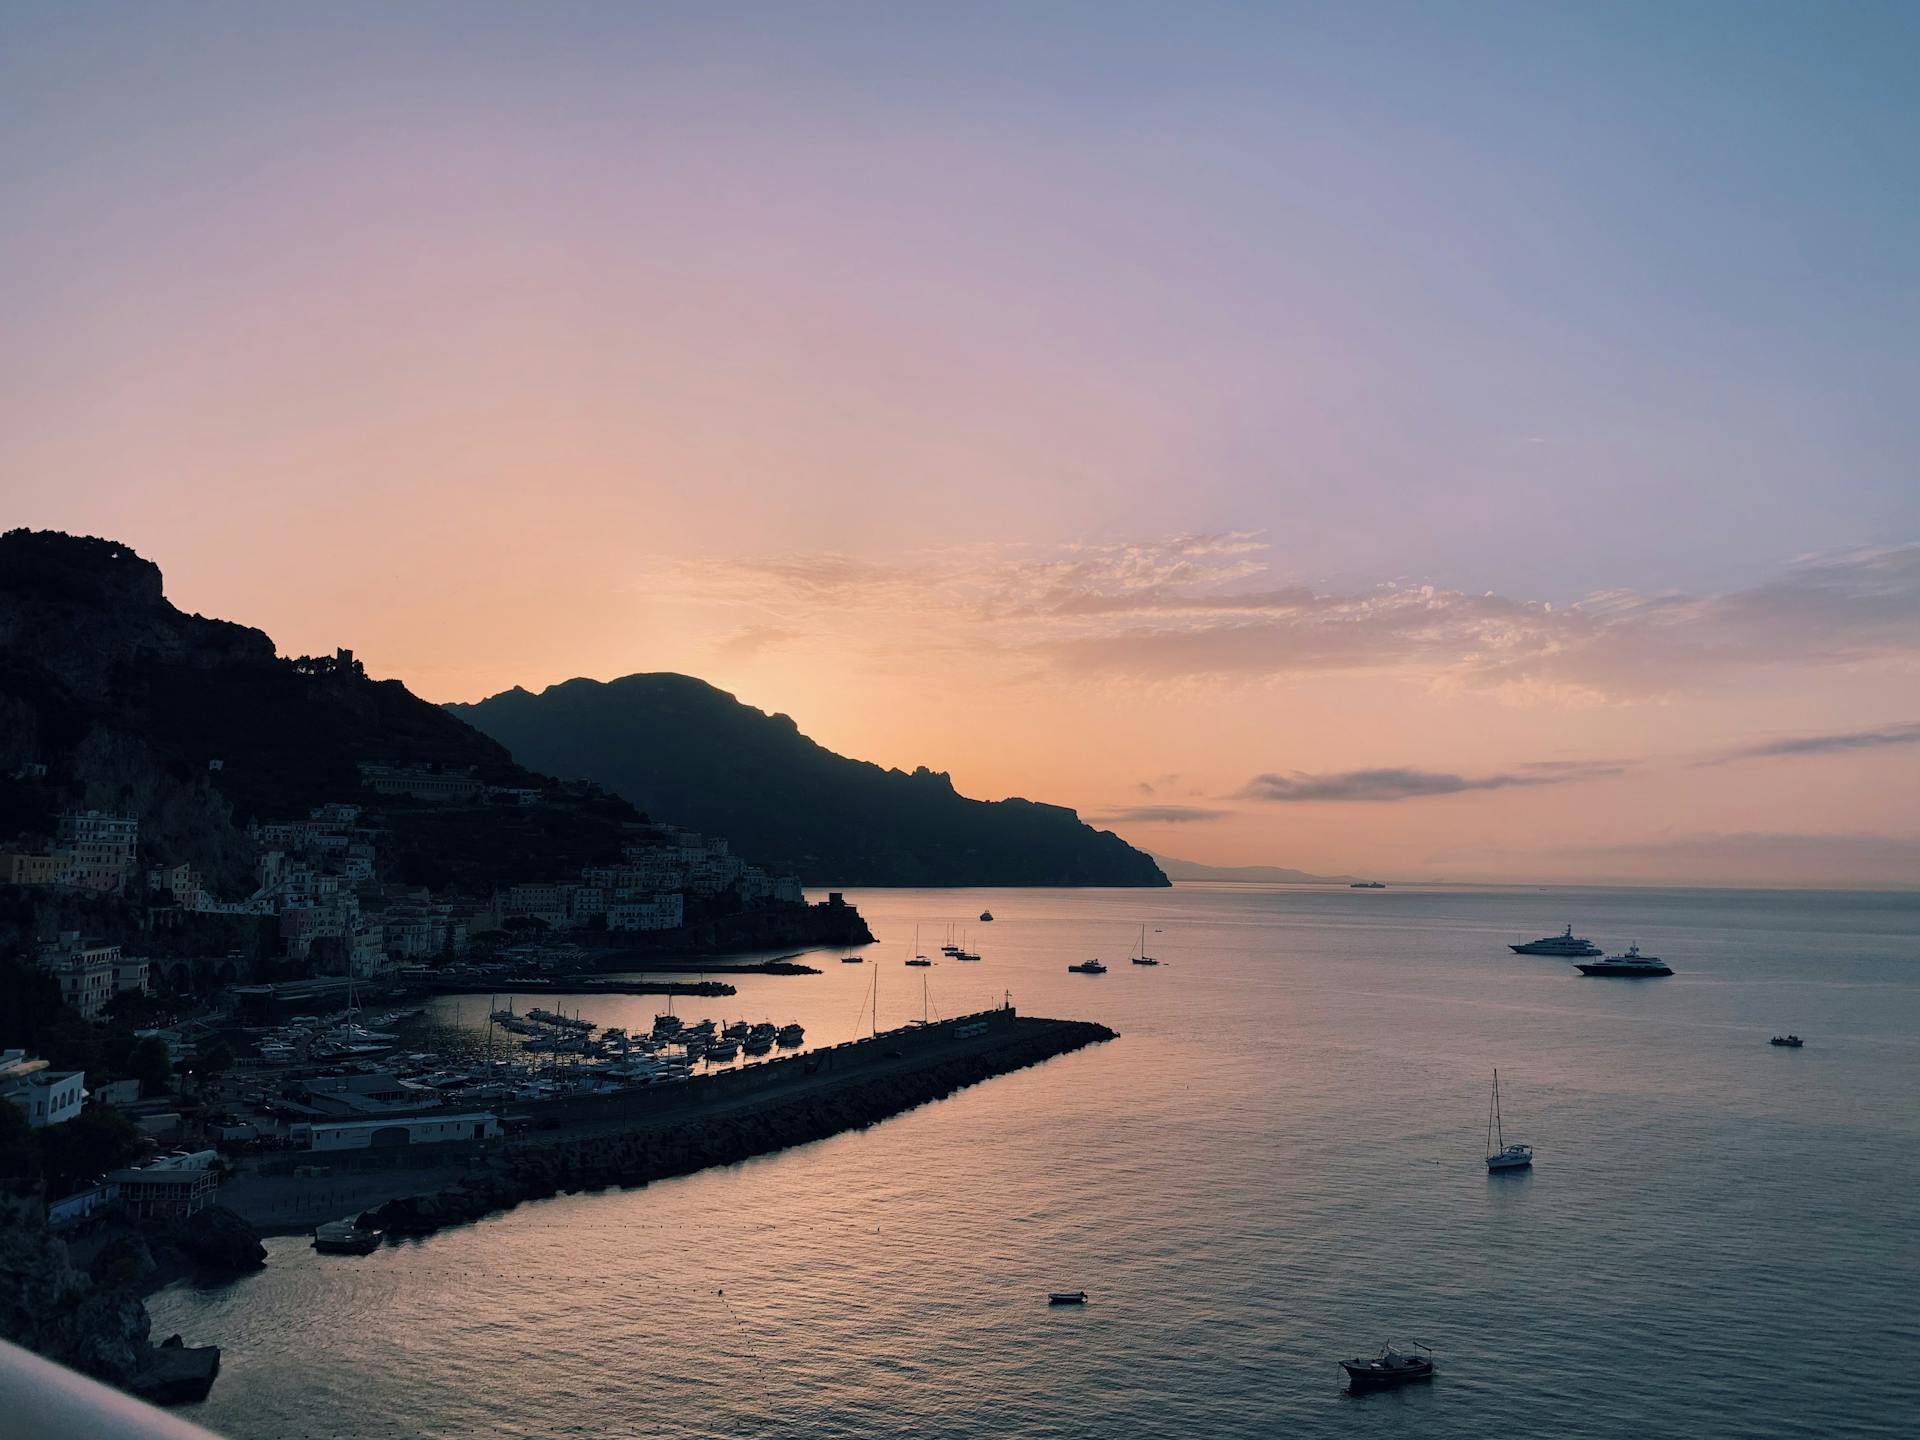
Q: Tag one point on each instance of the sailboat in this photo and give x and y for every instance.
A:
(918, 959)
(1143, 958)
(1500, 1155)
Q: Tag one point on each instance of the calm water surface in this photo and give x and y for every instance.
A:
(1278, 1164)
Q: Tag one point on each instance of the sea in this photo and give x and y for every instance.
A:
(1278, 1164)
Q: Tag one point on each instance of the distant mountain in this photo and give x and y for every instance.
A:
(1250, 874)
(691, 754)
(112, 698)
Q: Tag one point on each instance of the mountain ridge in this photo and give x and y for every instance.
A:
(686, 751)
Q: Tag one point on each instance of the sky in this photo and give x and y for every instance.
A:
(1453, 441)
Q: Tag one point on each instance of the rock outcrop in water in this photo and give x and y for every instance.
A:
(94, 1323)
(680, 1147)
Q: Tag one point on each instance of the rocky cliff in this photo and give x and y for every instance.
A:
(197, 726)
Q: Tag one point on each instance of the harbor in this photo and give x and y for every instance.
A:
(623, 1131)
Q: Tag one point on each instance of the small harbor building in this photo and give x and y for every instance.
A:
(175, 1186)
(409, 1130)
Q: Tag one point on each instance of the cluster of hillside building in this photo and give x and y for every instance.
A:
(316, 879)
(648, 889)
(96, 851)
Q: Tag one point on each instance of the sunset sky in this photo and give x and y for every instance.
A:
(1466, 441)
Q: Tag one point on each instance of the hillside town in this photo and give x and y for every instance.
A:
(323, 920)
(317, 883)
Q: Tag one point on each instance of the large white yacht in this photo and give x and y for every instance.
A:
(1631, 963)
(1564, 944)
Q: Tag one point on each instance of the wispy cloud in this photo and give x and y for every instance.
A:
(1842, 742)
(1401, 783)
(1201, 606)
(753, 640)
(1158, 815)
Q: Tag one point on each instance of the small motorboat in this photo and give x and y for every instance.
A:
(986, 915)
(1066, 1297)
(345, 1237)
(1389, 1367)
(1792, 1042)
(1088, 967)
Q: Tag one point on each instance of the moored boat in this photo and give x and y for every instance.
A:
(1389, 1367)
(345, 1237)
(1088, 967)
(1140, 956)
(1500, 1155)
(1630, 964)
(1066, 1297)
(1565, 945)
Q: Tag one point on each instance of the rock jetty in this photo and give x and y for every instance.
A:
(680, 1146)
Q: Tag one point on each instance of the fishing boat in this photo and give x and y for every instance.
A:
(1142, 958)
(1389, 1367)
(1066, 1297)
(1500, 1155)
(1088, 967)
(1792, 1042)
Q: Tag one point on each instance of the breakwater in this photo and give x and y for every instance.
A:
(870, 1081)
(564, 985)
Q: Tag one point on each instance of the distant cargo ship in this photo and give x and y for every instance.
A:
(1368, 885)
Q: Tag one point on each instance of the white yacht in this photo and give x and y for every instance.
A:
(1565, 944)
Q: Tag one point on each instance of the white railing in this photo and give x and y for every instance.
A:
(49, 1402)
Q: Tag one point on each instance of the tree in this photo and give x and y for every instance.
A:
(211, 1058)
(151, 1063)
(19, 1147)
(80, 1150)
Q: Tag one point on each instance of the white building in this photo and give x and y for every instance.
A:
(179, 1185)
(413, 1130)
(46, 1097)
